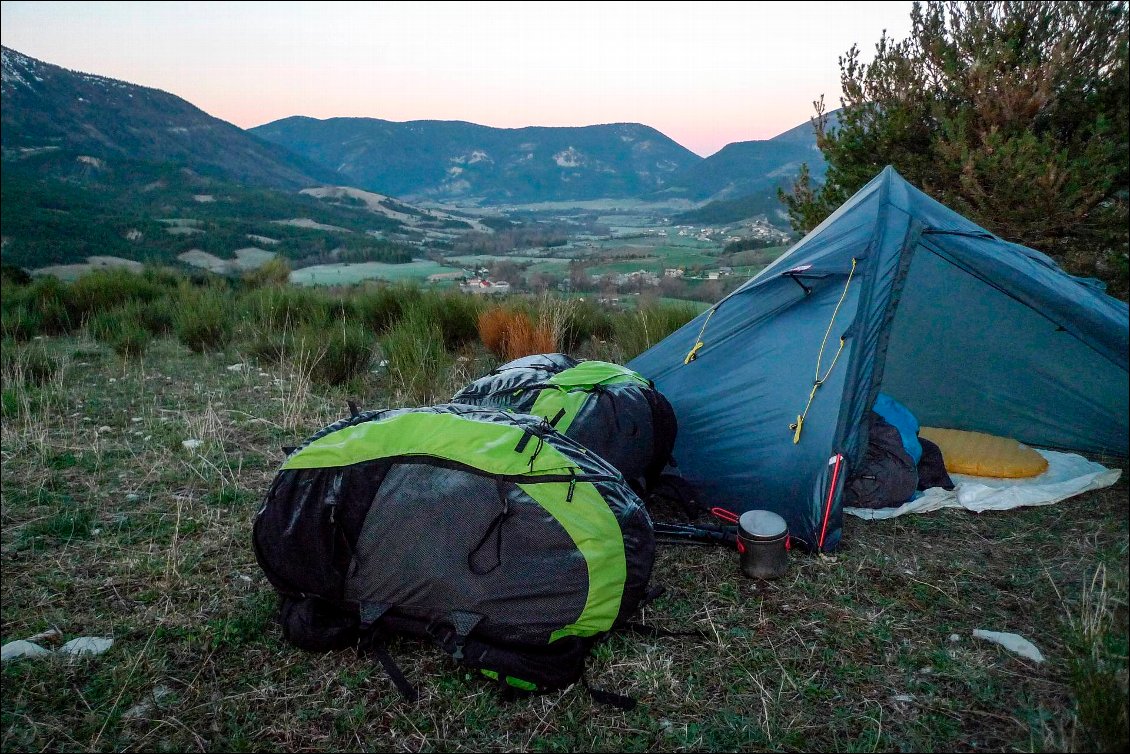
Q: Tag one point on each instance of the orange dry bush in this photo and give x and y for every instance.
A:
(494, 325)
(525, 338)
(509, 334)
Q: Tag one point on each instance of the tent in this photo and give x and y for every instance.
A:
(893, 292)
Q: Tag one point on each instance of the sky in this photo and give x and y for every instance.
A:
(705, 74)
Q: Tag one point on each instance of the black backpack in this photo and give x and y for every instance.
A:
(609, 409)
(491, 534)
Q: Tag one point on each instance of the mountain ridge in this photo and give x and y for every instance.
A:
(469, 163)
(51, 109)
(459, 160)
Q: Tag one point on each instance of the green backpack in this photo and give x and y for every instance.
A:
(609, 409)
(493, 535)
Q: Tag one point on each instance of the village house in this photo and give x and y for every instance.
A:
(482, 286)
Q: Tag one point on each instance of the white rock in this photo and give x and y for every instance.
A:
(1011, 642)
(138, 711)
(105, 428)
(21, 648)
(88, 645)
(132, 496)
(955, 638)
(192, 444)
(237, 368)
(902, 698)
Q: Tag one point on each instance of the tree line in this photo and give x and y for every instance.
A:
(1013, 113)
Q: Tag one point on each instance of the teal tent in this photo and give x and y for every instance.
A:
(893, 292)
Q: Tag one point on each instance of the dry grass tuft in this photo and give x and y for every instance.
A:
(510, 334)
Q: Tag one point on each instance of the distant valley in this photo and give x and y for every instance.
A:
(97, 170)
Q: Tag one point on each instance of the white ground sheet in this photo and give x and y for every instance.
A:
(1068, 474)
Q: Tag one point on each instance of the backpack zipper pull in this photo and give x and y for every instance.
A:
(572, 485)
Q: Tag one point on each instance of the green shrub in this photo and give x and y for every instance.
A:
(379, 308)
(20, 322)
(159, 317)
(344, 350)
(131, 341)
(587, 320)
(123, 328)
(10, 273)
(36, 308)
(26, 365)
(9, 403)
(271, 346)
(105, 289)
(25, 370)
(285, 309)
(166, 277)
(417, 361)
(274, 272)
(456, 314)
(635, 332)
(13, 295)
(103, 325)
(204, 321)
(1097, 642)
(47, 295)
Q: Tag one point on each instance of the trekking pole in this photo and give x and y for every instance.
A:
(688, 534)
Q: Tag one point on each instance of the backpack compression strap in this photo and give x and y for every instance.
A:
(373, 642)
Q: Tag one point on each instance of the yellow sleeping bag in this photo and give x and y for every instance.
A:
(979, 454)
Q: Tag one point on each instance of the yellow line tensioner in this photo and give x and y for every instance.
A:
(798, 425)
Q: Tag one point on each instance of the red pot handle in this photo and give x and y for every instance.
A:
(728, 516)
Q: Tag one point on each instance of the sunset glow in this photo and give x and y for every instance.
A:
(705, 74)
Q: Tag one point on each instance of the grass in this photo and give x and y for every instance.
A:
(345, 274)
(112, 527)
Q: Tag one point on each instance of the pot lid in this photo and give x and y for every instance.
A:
(762, 525)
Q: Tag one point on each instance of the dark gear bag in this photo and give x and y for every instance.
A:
(609, 409)
(887, 477)
(489, 533)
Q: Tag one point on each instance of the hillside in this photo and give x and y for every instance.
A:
(454, 160)
(741, 179)
(94, 167)
(744, 168)
(71, 124)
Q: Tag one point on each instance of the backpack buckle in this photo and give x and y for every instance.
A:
(464, 623)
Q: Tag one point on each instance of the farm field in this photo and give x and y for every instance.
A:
(349, 273)
(660, 258)
(468, 260)
(74, 271)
